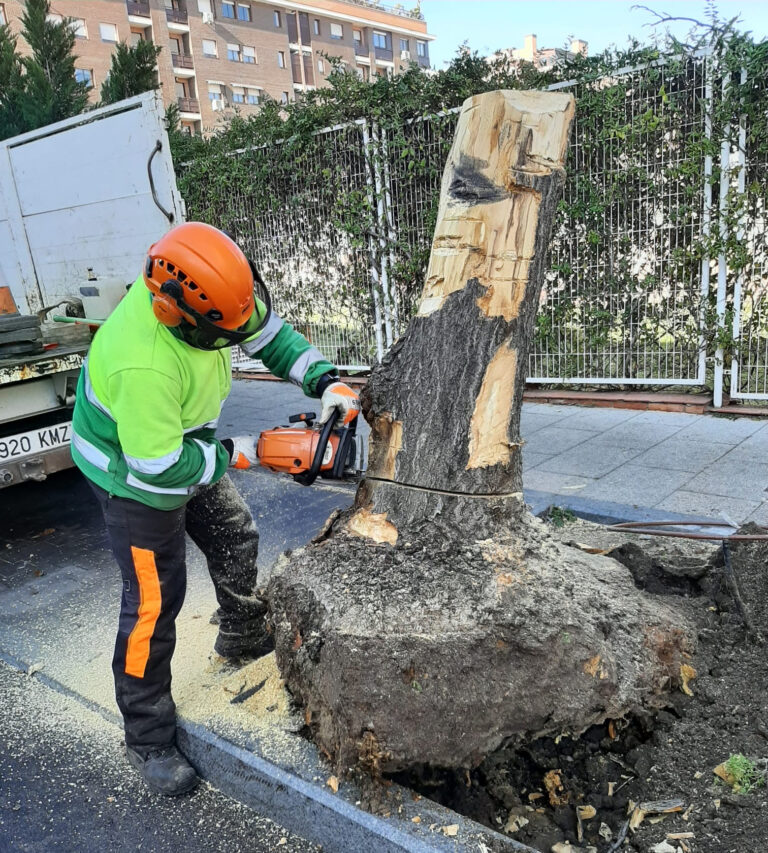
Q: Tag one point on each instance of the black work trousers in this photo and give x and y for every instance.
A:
(149, 546)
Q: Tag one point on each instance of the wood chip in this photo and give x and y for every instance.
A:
(333, 784)
(687, 673)
(451, 830)
(677, 836)
(536, 795)
(611, 786)
(558, 796)
(416, 819)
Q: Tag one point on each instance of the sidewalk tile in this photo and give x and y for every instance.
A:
(637, 485)
(531, 422)
(760, 515)
(708, 506)
(735, 478)
(548, 481)
(533, 460)
(682, 454)
(598, 419)
(754, 447)
(678, 419)
(723, 430)
(555, 439)
(549, 409)
(638, 435)
(591, 459)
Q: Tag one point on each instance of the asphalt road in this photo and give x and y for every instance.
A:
(65, 787)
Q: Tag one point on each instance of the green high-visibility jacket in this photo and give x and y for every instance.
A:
(148, 404)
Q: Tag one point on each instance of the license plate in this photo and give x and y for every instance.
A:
(34, 441)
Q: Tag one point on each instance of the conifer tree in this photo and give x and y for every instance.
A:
(132, 71)
(11, 86)
(51, 91)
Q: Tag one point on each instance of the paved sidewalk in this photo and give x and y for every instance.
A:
(668, 462)
(697, 465)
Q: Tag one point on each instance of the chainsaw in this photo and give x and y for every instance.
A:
(308, 450)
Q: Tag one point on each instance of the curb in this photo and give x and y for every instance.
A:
(328, 819)
(605, 512)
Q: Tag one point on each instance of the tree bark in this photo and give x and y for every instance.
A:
(437, 619)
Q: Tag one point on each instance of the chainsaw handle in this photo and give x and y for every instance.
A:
(306, 478)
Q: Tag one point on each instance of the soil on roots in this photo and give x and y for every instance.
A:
(534, 791)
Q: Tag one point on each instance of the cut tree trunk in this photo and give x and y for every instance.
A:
(437, 619)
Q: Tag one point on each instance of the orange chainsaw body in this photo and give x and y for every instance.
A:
(290, 450)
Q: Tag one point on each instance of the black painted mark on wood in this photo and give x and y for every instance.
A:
(470, 185)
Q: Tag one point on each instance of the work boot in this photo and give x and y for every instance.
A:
(165, 770)
(243, 638)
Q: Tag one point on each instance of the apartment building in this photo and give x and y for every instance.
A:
(543, 58)
(224, 55)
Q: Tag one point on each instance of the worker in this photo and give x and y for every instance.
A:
(144, 434)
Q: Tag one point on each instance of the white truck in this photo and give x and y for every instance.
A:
(80, 203)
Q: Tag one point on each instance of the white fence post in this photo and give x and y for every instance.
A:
(722, 272)
(740, 234)
(374, 268)
(706, 224)
(382, 231)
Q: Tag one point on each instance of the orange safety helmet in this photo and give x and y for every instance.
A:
(198, 274)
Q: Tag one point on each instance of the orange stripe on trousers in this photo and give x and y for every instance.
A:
(137, 653)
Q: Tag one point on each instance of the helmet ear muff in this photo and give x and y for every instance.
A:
(165, 304)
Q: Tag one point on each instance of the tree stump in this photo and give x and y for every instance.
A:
(437, 619)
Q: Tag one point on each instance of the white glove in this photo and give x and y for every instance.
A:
(243, 453)
(339, 396)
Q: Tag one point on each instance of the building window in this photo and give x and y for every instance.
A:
(379, 39)
(243, 12)
(281, 59)
(284, 98)
(136, 37)
(316, 26)
(3, 19)
(83, 75)
(227, 10)
(214, 92)
(321, 66)
(53, 18)
(108, 32)
(210, 49)
(278, 22)
(404, 44)
(238, 94)
(233, 52)
(337, 31)
(249, 54)
(80, 29)
(253, 97)
(421, 48)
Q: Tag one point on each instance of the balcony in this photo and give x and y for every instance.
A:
(361, 49)
(189, 105)
(181, 60)
(141, 10)
(423, 61)
(383, 53)
(176, 16)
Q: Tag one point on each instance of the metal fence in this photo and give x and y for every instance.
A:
(629, 281)
(624, 296)
(748, 156)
